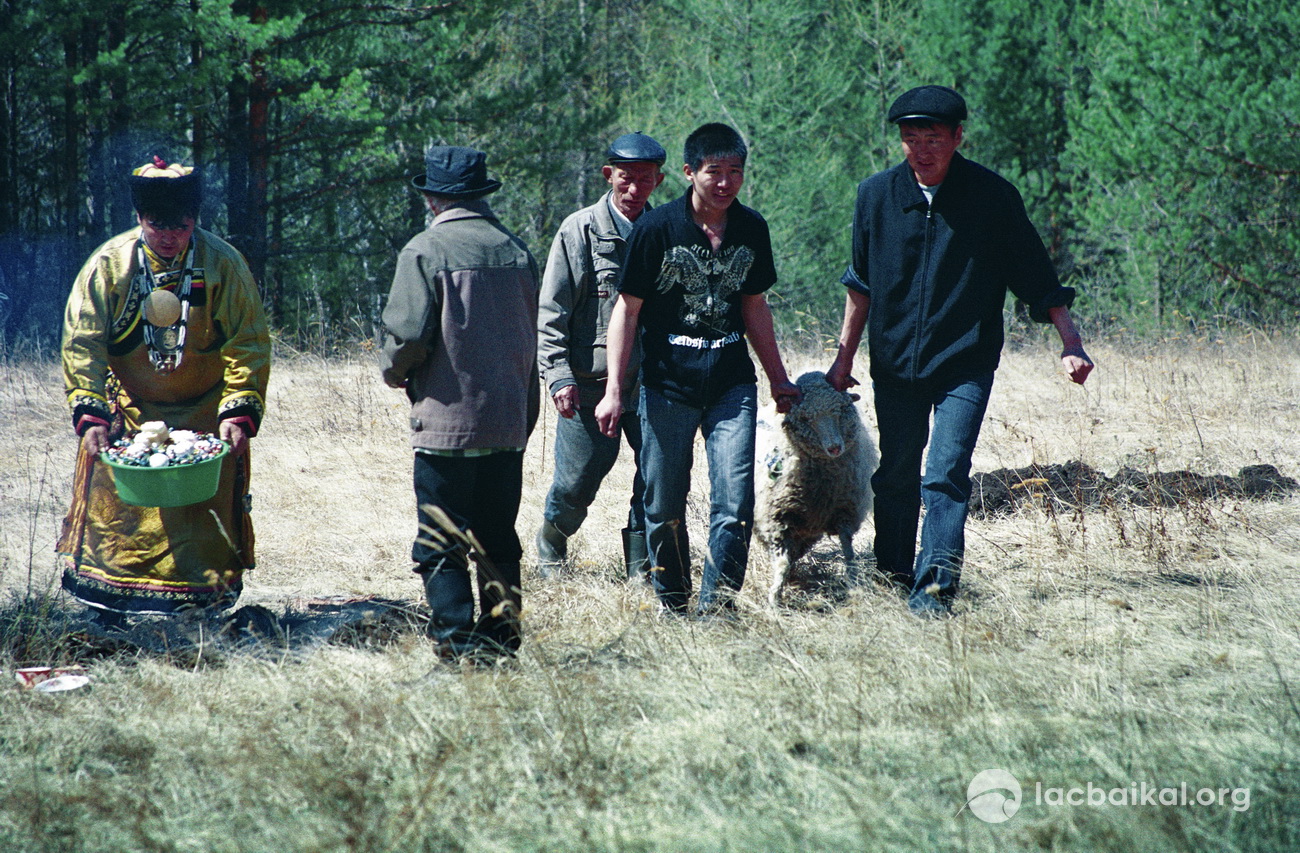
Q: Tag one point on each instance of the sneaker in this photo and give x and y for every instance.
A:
(723, 612)
(471, 655)
(923, 605)
(674, 606)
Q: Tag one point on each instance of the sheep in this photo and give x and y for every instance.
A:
(813, 470)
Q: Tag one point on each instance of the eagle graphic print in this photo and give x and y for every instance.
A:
(707, 279)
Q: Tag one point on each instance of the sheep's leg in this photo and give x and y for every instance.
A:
(850, 559)
(780, 572)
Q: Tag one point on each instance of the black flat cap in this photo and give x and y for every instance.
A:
(929, 103)
(636, 148)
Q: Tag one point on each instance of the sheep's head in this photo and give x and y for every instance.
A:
(824, 423)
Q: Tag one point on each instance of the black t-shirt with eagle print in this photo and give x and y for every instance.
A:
(692, 331)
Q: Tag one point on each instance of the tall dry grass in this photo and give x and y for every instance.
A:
(1114, 646)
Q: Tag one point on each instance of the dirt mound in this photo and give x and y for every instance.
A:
(1075, 485)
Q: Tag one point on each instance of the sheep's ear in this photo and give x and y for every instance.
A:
(855, 397)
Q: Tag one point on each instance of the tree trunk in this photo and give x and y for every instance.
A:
(237, 163)
(120, 156)
(8, 131)
(259, 156)
(69, 172)
(10, 267)
(199, 130)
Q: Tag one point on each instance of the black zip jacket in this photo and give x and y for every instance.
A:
(938, 275)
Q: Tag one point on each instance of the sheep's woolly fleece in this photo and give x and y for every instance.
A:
(813, 471)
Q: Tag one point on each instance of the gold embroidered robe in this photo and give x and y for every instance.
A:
(148, 559)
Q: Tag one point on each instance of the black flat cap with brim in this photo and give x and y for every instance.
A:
(929, 103)
(454, 171)
(635, 148)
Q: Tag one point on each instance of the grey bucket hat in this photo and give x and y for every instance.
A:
(454, 171)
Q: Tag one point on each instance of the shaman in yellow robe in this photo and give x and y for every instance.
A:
(134, 559)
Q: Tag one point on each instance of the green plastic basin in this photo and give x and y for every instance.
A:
(170, 485)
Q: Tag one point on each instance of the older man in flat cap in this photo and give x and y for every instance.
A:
(579, 289)
(461, 340)
(937, 242)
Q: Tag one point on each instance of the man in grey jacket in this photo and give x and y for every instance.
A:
(578, 293)
(461, 339)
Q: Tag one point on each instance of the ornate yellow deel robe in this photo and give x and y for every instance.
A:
(146, 559)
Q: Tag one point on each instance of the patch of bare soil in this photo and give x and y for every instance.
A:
(55, 631)
(1075, 485)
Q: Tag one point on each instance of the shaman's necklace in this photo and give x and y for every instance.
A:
(165, 315)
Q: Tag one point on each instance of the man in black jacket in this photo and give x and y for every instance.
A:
(937, 242)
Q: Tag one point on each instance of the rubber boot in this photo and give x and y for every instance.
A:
(500, 604)
(552, 549)
(636, 555)
(450, 593)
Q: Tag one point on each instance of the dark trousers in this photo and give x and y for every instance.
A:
(903, 414)
(481, 495)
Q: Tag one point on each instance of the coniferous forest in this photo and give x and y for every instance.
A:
(1155, 143)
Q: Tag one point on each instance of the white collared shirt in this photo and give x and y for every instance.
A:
(621, 222)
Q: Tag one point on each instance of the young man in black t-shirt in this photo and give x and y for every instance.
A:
(692, 287)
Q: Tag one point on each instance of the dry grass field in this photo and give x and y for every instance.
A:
(1095, 654)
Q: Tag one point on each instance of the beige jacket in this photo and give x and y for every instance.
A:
(579, 289)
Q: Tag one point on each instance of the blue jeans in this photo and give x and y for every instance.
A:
(903, 415)
(667, 452)
(583, 457)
